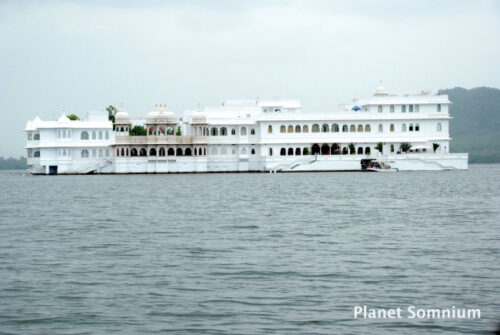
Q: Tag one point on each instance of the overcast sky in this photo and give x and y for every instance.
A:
(84, 55)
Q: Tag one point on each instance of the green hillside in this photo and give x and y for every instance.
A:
(475, 127)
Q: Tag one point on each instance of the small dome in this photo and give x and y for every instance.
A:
(63, 118)
(37, 119)
(381, 91)
(121, 114)
(160, 113)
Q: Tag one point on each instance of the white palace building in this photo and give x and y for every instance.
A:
(253, 136)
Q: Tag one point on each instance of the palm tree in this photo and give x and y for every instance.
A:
(405, 146)
(380, 147)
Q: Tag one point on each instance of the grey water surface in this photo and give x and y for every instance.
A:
(248, 253)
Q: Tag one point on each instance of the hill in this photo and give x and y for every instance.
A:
(475, 127)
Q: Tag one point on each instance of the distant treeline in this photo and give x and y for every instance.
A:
(13, 163)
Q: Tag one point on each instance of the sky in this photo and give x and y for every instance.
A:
(76, 56)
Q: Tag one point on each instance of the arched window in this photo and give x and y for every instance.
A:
(179, 152)
(403, 127)
(297, 129)
(152, 131)
(123, 152)
(188, 152)
(325, 128)
(142, 152)
(270, 151)
(325, 149)
(411, 127)
(100, 135)
(360, 150)
(315, 128)
(282, 129)
(305, 151)
(133, 152)
(410, 108)
(439, 107)
(290, 151)
(84, 153)
(345, 128)
(233, 132)
(195, 151)
(367, 150)
(417, 108)
(161, 153)
(252, 131)
(106, 136)
(368, 128)
(152, 152)
(243, 131)
(252, 151)
(315, 149)
(269, 129)
(297, 152)
(403, 109)
(335, 128)
(290, 129)
(83, 136)
(360, 128)
(391, 109)
(417, 127)
(335, 149)
(439, 127)
(380, 109)
(214, 131)
(305, 129)
(391, 128)
(380, 128)
(94, 135)
(171, 152)
(345, 151)
(352, 128)
(223, 131)
(107, 153)
(283, 152)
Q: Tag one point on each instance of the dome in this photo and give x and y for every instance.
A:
(63, 118)
(381, 91)
(121, 114)
(160, 112)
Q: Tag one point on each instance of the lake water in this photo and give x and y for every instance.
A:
(248, 253)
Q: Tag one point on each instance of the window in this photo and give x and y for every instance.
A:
(161, 152)
(368, 128)
(133, 152)
(188, 152)
(252, 131)
(290, 129)
(297, 129)
(380, 128)
(100, 153)
(360, 128)
(233, 132)
(297, 152)
(107, 135)
(439, 107)
(290, 151)
(325, 128)
(269, 129)
(335, 128)
(252, 151)
(283, 152)
(403, 109)
(84, 135)
(36, 154)
(439, 127)
(270, 151)
(214, 131)
(100, 135)
(223, 131)
(36, 137)
(178, 152)
(305, 129)
(170, 152)
(353, 128)
(94, 135)
(142, 152)
(360, 150)
(417, 127)
(282, 129)
(391, 128)
(30, 137)
(344, 128)
(107, 153)
(94, 153)
(392, 109)
(59, 134)
(410, 128)
(152, 152)
(403, 127)
(410, 109)
(417, 108)
(315, 128)
(243, 131)
(83, 154)
(380, 109)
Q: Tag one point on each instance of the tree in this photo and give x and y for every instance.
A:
(111, 113)
(138, 131)
(73, 117)
(380, 147)
(435, 146)
(352, 148)
(405, 146)
(178, 132)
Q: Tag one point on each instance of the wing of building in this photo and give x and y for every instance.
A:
(382, 132)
